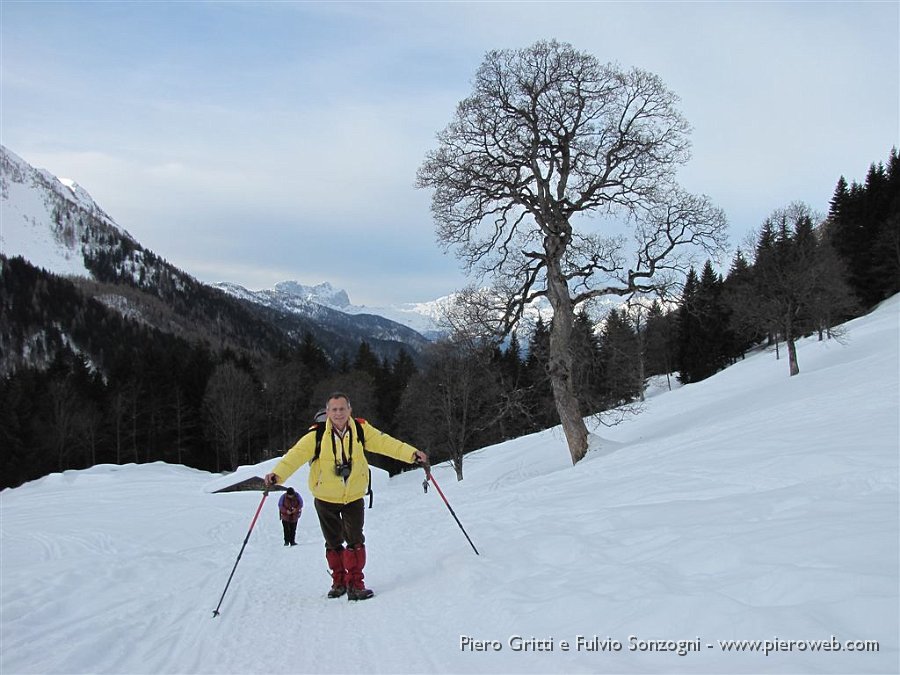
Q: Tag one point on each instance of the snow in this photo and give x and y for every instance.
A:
(29, 199)
(423, 317)
(750, 506)
(24, 216)
(294, 296)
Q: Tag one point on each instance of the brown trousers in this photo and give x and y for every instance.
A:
(342, 523)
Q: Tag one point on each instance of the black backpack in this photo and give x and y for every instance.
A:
(319, 428)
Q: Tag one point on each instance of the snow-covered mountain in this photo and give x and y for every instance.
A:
(54, 224)
(426, 318)
(295, 297)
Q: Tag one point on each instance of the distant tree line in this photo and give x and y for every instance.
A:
(104, 388)
(806, 275)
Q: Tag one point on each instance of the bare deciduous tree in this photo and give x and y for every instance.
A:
(459, 393)
(229, 403)
(287, 394)
(549, 136)
(61, 424)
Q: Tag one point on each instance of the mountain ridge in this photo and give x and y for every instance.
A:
(54, 225)
(294, 296)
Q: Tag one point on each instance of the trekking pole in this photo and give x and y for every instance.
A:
(246, 539)
(429, 477)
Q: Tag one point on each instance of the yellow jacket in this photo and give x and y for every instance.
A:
(324, 483)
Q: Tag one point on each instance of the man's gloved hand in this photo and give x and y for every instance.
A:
(270, 479)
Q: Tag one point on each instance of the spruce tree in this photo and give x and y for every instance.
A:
(659, 341)
(739, 298)
(620, 379)
(539, 398)
(585, 351)
(865, 231)
(714, 324)
(690, 348)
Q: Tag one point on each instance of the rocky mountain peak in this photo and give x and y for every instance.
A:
(323, 294)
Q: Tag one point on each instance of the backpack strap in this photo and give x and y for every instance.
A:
(319, 428)
(361, 435)
(360, 432)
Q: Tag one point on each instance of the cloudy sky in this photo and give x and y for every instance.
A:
(260, 141)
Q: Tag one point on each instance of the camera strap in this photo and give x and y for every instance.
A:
(344, 458)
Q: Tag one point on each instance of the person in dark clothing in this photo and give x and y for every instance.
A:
(289, 507)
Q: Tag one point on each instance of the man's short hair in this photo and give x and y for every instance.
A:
(337, 394)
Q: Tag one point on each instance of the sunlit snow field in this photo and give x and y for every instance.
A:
(750, 506)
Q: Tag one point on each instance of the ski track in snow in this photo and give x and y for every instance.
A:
(748, 506)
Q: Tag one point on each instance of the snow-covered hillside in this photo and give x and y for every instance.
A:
(748, 507)
(44, 218)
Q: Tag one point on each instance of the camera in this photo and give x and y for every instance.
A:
(343, 469)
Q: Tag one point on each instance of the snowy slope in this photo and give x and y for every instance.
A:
(423, 317)
(750, 506)
(42, 217)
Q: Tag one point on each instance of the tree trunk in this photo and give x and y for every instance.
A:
(791, 347)
(134, 432)
(560, 366)
(641, 374)
(457, 466)
(792, 357)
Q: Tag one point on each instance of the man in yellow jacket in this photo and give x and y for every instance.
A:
(339, 479)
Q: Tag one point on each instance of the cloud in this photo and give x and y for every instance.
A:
(226, 136)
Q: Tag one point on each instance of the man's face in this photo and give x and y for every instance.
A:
(338, 411)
